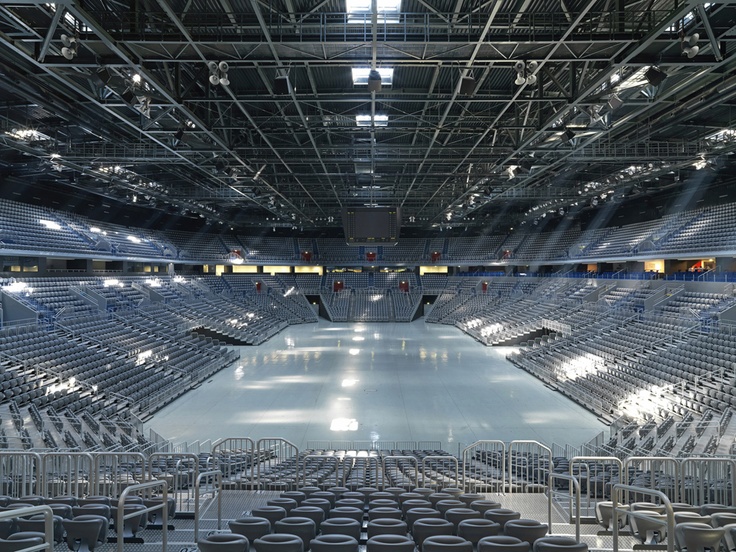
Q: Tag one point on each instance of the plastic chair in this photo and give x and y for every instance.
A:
(223, 542)
(502, 543)
(334, 543)
(501, 516)
(697, 537)
(559, 544)
(303, 527)
(428, 527)
(251, 528)
(446, 543)
(386, 526)
(390, 543)
(474, 530)
(82, 535)
(342, 526)
(528, 530)
(279, 542)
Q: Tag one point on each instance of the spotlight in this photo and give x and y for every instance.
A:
(654, 76)
(568, 135)
(71, 44)
(374, 81)
(614, 102)
(281, 85)
(467, 85)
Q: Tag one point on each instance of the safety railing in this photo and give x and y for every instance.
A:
(528, 461)
(163, 506)
(115, 471)
(180, 471)
(440, 471)
(599, 471)
(484, 467)
(656, 473)
(631, 489)
(216, 489)
(708, 481)
(399, 469)
(66, 473)
(278, 458)
(361, 471)
(325, 465)
(19, 473)
(236, 458)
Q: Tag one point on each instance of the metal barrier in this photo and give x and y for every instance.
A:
(180, 471)
(20, 473)
(361, 471)
(576, 484)
(278, 462)
(66, 473)
(400, 474)
(708, 481)
(633, 513)
(440, 471)
(656, 473)
(164, 507)
(48, 525)
(528, 461)
(236, 458)
(217, 490)
(484, 467)
(115, 471)
(600, 472)
(319, 470)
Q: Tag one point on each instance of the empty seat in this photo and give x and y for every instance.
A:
(389, 543)
(271, 513)
(334, 543)
(386, 526)
(342, 526)
(474, 530)
(502, 543)
(302, 527)
(83, 535)
(501, 516)
(559, 544)
(446, 543)
(251, 527)
(697, 537)
(427, 527)
(279, 542)
(223, 542)
(347, 512)
(528, 530)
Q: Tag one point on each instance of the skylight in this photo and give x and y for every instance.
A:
(360, 75)
(359, 11)
(365, 120)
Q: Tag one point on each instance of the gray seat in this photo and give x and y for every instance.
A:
(446, 543)
(484, 505)
(251, 528)
(131, 525)
(104, 525)
(651, 529)
(444, 505)
(287, 504)
(279, 542)
(384, 512)
(456, 515)
(271, 513)
(302, 527)
(13, 544)
(315, 513)
(474, 530)
(434, 498)
(390, 543)
(469, 498)
(410, 503)
(709, 509)
(223, 542)
(722, 519)
(323, 503)
(501, 516)
(326, 495)
(383, 503)
(350, 503)
(298, 496)
(347, 512)
(559, 544)
(37, 524)
(528, 530)
(386, 526)
(82, 535)
(502, 543)
(698, 537)
(604, 515)
(420, 513)
(428, 527)
(334, 543)
(342, 526)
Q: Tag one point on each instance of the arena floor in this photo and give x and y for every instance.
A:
(375, 381)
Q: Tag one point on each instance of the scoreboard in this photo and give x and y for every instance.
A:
(371, 225)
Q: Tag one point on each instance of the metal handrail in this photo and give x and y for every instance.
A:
(197, 485)
(440, 458)
(633, 513)
(48, 525)
(164, 507)
(576, 484)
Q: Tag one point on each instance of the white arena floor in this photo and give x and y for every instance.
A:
(379, 381)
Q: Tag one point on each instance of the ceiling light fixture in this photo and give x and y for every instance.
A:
(374, 81)
(689, 44)
(654, 76)
(525, 72)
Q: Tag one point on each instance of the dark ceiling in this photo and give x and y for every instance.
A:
(498, 111)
